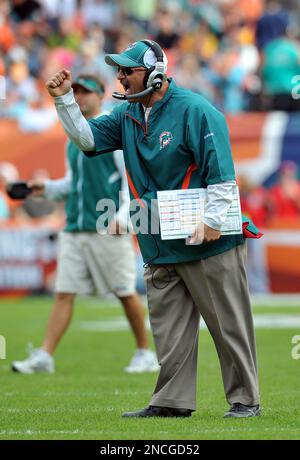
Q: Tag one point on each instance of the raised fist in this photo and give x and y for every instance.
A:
(60, 83)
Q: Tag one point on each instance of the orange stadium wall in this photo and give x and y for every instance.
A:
(29, 152)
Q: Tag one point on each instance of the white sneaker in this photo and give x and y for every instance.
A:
(39, 361)
(143, 361)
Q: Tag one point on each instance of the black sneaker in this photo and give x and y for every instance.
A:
(238, 410)
(155, 411)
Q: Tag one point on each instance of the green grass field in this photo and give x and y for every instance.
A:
(86, 396)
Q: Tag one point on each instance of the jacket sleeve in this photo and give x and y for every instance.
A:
(73, 122)
(59, 189)
(93, 137)
(107, 133)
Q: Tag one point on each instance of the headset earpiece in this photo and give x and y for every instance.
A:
(155, 80)
(155, 75)
(146, 77)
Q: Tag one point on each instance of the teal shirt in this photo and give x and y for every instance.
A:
(91, 182)
(281, 63)
(184, 143)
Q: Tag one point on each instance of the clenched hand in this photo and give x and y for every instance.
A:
(60, 83)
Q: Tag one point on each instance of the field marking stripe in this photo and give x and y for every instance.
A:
(275, 300)
(270, 300)
(268, 321)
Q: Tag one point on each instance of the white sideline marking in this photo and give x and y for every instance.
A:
(260, 322)
(257, 300)
(276, 321)
(117, 324)
(275, 300)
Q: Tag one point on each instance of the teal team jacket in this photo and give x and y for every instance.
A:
(185, 143)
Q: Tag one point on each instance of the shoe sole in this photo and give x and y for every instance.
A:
(17, 370)
(231, 415)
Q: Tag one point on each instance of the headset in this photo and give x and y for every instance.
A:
(154, 76)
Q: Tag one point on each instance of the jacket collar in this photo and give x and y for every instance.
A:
(137, 110)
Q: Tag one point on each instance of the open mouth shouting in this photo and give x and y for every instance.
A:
(126, 86)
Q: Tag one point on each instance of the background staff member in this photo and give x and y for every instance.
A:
(90, 263)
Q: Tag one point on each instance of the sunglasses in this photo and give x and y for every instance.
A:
(129, 70)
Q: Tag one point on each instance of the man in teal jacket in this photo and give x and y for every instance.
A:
(173, 139)
(89, 262)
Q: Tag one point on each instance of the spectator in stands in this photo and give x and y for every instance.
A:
(255, 202)
(107, 14)
(166, 33)
(272, 24)
(55, 9)
(91, 58)
(67, 35)
(7, 38)
(20, 85)
(26, 10)
(141, 13)
(190, 75)
(285, 196)
(281, 63)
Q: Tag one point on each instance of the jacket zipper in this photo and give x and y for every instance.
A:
(145, 129)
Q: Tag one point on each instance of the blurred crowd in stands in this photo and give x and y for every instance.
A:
(279, 202)
(240, 54)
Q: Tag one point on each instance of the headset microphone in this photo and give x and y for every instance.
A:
(128, 97)
(121, 97)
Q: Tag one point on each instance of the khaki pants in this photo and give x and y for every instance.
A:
(217, 289)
